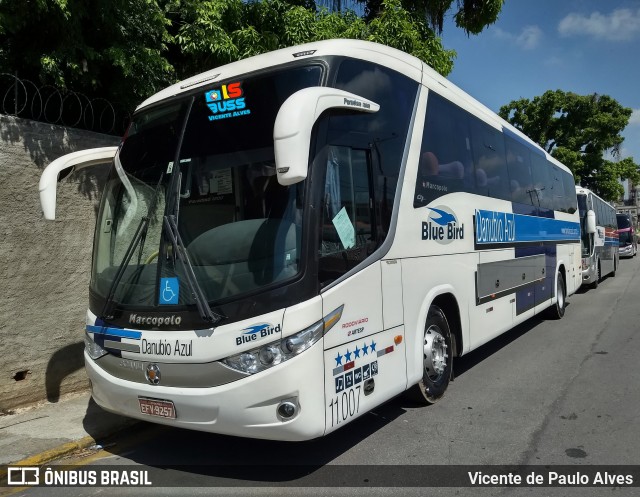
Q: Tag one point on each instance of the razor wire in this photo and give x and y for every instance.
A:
(22, 98)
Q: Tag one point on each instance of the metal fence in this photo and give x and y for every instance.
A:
(22, 98)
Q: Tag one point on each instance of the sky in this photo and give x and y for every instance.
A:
(581, 46)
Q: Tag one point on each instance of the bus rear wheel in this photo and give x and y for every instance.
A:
(437, 359)
(556, 311)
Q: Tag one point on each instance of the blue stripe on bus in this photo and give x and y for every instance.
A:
(493, 228)
(114, 332)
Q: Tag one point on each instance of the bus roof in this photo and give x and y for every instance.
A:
(392, 58)
(374, 52)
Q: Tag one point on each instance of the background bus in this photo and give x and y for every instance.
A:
(290, 240)
(627, 238)
(599, 237)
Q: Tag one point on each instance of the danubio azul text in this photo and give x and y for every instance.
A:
(495, 227)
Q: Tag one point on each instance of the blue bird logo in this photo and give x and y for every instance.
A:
(444, 219)
(256, 328)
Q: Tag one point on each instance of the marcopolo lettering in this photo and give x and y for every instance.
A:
(172, 320)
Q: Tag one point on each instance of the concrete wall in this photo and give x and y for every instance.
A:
(44, 265)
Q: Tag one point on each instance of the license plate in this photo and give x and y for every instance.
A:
(159, 408)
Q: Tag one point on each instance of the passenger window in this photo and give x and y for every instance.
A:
(446, 162)
(492, 178)
(570, 192)
(520, 178)
(347, 213)
(541, 182)
(385, 130)
(557, 188)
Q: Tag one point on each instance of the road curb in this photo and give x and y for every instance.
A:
(51, 454)
(64, 449)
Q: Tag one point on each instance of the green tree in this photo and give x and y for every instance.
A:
(126, 50)
(581, 131)
(471, 15)
(214, 32)
(112, 48)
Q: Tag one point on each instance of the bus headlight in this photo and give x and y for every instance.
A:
(93, 349)
(274, 353)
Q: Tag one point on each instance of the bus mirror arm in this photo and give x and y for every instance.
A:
(591, 222)
(295, 120)
(65, 165)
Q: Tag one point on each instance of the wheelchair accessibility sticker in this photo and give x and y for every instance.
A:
(169, 290)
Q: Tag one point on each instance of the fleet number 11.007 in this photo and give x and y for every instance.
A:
(345, 405)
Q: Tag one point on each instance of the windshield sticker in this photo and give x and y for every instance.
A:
(221, 183)
(226, 101)
(345, 229)
(169, 291)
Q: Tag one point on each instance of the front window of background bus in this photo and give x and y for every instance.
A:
(239, 229)
(586, 239)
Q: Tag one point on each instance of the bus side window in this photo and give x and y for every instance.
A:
(570, 191)
(445, 164)
(557, 188)
(541, 181)
(519, 166)
(492, 177)
(347, 213)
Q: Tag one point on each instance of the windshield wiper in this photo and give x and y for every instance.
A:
(171, 229)
(139, 235)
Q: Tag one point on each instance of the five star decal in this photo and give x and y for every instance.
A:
(366, 349)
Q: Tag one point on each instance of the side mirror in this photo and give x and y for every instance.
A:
(295, 120)
(591, 222)
(68, 163)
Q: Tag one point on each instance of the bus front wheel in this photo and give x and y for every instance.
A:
(596, 282)
(437, 359)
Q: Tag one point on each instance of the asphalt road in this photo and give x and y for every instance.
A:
(546, 393)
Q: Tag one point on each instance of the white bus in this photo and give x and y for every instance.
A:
(288, 241)
(599, 237)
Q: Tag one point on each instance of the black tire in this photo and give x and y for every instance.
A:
(596, 282)
(556, 311)
(615, 267)
(437, 359)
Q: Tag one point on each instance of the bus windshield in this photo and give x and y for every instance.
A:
(240, 228)
(625, 229)
(585, 239)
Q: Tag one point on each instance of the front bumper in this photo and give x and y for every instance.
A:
(246, 407)
(626, 251)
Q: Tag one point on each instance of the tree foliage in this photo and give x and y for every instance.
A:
(581, 131)
(214, 32)
(117, 45)
(471, 15)
(125, 50)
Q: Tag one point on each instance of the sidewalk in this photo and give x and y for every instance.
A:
(43, 432)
